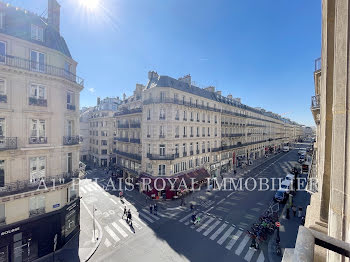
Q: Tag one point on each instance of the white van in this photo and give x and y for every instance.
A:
(286, 149)
(285, 186)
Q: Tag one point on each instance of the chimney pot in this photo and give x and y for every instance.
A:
(53, 14)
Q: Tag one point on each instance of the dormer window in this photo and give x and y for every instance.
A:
(37, 33)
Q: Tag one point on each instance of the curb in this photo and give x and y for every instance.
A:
(100, 236)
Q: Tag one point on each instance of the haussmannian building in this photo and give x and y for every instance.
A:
(39, 134)
(171, 127)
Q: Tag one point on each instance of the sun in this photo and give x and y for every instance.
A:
(90, 4)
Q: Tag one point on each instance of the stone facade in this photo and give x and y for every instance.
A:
(39, 125)
(182, 127)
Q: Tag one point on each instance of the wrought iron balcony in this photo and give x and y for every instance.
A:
(191, 153)
(160, 157)
(185, 118)
(177, 118)
(71, 140)
(135, 140)
(126, 111)
(21, 186)
(161, 117)
(30, 65)
(37, 101)
(122, 139)
(8, 143)
(135, 125)
(184, 154)
(123, 125)
(197, 151)
(3, 98)
(162, 136)
(203, 150)
(129, 155)
(38, 140)
(177, 136)
(71, 107)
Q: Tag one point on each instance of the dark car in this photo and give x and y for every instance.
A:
(280, 196)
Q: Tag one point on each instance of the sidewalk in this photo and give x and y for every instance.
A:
(289, 227)
(82, 246)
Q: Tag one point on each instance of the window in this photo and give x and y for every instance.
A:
(2, 173)
(2, 127)
(177, 131)
(36, 205)
(190, 163)
(185, 115)
(67, 68)
(197, 131)
(161, 169)
(37, 61)
(149, 114)
(70, 128)
(184, 147)
(37, 168)
(2, 20)
(37, 33)
(2, 87)
(216, 119)
(72, 192)
(177, 115)
(149, 148)
(70, 100)
(185, 131)
(197, 147)
(2, 213)
(162, 150)
(162, 114)
(203, 131)
(38, 128)
(191, 133)
(161, 131)
(191, 146)
(2, 52)
(176, 97)
(148, 131)
(176, 149)
(208, 131)
(104, 152)
(208, 146)
(103, 142)
(197, 117)
(37, 91)
(162, 96)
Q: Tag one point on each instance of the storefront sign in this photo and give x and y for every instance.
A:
(56, 206)
(9, 231)
(71, 207)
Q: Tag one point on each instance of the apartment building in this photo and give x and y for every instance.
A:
(186, 128)
(328, 212)
(102, 130)
(39, 128)
(85, 114)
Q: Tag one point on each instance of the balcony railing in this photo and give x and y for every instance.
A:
(135, 140)
(71, 140)
(21, 186)
(36, 212)
(3, 98)
(184, 154)
(126, 111)
(71, 107)
(8, 143)
(177, 136)
(161, 117)
(160, 157)
(135, 125)
(37, 101)
(123, 125)
(38, 140)
(191, 153)
(29, 65)
(129, 155)
(162, 136)
(318, 64)
(315, 102)
(122, 139)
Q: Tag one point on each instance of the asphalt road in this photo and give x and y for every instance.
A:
(220, 236)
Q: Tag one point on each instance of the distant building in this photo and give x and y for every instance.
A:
(170, 128)
(39, 134)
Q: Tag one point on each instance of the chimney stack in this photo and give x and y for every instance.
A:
(98, 100)
(53, 14)
(229, 96)
(124, 96)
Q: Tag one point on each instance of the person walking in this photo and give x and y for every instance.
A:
(155, 208)
(294, 209)
(287, 213)
(129, 218)
(191, 206)
(125, 213)
(300, 211)
(151, 208)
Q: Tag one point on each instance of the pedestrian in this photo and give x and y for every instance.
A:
(294, 209)
(151, 208)
(302, 221)
(235, 171)
(129, 218)
(155, 208)
(191, 206)
(125, 213)
(287, 213)
(300, 211)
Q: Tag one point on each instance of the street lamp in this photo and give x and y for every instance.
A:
(93, 220)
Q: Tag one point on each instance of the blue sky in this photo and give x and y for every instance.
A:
(260, 50)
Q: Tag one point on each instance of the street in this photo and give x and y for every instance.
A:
(169, 236)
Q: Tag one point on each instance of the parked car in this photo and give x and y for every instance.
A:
(301, 159)
(280, 196)
(285, 186)
(301, 152)
(290, 177)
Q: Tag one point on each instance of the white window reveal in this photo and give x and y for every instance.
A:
(37, 33)
(37, 61)
(37, 168)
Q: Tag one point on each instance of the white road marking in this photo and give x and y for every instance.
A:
(123, 223)
(105, 193)
(249, 254)
(93, 184)
(242, 245)
(115, 202)
(146, 217)
(112, 234)
(205, 224)
(184, 218)
(82, 189)
(194, 225)
(120, 230)
(234, 239)
(149, 214)
(88, 188)
(217, 232)
(107, 243)
(261, 257)
(211, 228)
(227, 233)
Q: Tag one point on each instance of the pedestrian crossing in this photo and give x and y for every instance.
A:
(231, 237)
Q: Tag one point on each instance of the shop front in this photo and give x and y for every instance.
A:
(35, 237)
(215, 170)
(225, 166)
